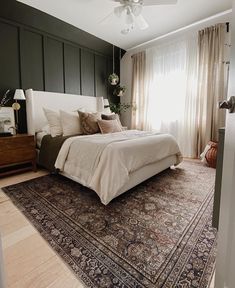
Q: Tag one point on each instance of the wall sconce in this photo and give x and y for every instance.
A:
(19, 95)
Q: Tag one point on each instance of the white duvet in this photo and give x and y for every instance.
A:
(104, 162)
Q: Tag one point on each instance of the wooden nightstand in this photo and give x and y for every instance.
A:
(17, 154)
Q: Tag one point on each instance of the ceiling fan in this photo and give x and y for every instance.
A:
(132, 10)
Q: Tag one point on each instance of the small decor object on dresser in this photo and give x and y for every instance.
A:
(17, 154)
(7, 119)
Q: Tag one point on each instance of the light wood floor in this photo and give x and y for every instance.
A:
(29, 261)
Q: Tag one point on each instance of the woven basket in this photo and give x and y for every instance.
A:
(211, 154)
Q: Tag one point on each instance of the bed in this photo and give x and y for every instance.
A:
(109, 164)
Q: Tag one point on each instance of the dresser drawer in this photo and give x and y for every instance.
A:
(15, 151)
(15, 143)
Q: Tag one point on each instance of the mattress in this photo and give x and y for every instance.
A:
(39, 137)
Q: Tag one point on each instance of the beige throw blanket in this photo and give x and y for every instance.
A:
(104, 162)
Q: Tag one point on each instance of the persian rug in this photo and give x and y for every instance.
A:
(158, 234)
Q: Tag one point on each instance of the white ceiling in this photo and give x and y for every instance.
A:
(87, 15)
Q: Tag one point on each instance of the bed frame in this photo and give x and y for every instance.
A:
(36, 100)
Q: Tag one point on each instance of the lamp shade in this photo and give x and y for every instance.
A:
(106, 103)
(100, 104)
(19, 95)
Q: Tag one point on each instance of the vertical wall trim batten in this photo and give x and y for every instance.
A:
(63, 47)
(20, 54)
(80, 68)
(43, 61)
(107, 72)
(95, 88)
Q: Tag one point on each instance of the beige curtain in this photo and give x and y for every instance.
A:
(211, 84)
(138, 91)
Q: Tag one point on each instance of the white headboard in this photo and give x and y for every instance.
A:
(36, 100)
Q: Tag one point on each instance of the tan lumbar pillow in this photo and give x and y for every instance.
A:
(111, 117)
(109, 126)
(89, 122)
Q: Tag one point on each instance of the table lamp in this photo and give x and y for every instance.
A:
(106, 103)
(19, 95)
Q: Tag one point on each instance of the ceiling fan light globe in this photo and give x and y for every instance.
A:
(130, 18)
(137, 9)
(125, 31)
(118, 11)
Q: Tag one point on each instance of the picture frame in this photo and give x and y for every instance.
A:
(7, 119)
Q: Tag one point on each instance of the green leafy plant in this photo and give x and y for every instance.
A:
(113, 79)
(117, 108)
(119, 90)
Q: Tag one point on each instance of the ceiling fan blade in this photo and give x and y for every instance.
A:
(120, 1)
(106, 19)
(141, 22)
(159, 2)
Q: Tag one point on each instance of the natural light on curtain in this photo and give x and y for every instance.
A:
(171, 91)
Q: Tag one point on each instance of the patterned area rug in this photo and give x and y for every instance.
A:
(158, 234)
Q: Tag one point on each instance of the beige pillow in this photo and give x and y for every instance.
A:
(53, 119)
(109, 126)
(70, 123)
(89, 122)
(111, 117)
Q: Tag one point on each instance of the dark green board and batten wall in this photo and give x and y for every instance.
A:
(41, 52)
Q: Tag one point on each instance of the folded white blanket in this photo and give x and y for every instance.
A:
(104, 162)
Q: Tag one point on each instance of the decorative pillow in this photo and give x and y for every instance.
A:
(89, 122)
(53, 119)
(70, 123)
(111, 117)
(109, 126)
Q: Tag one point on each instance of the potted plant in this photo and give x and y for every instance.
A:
(119, 91)
(117, 108)
(113, 79)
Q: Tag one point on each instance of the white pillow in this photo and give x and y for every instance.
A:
(53, 119)
(70, 123)
(46, 129)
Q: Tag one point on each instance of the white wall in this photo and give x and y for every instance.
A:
(126, 62)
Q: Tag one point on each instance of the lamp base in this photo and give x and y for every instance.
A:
(16, 106)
